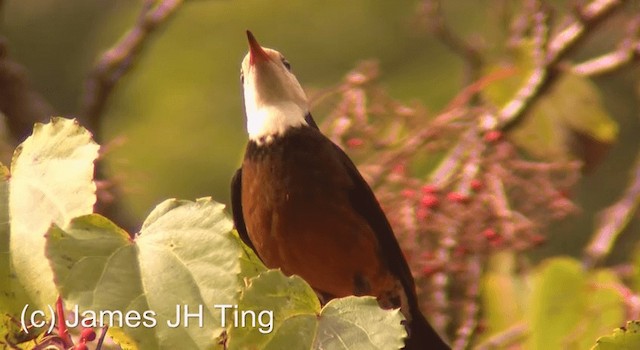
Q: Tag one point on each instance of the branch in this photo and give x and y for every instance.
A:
(627, 51)
(560, 45)
(118, 60)
(471, 309)
(432, 10)
(613, 220)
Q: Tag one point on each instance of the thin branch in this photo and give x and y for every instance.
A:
(627, 51)
(432, 10)
(613, 220)
(471, 309)
(532, 86)
(118, 60)
(560, 45)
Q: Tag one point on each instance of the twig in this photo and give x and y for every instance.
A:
(532, 86)
(613, 220)
(118, 60)
(101, 339)
(111, 67)
(627, 51)
(472, 307)
(589, 16)
(432, 9)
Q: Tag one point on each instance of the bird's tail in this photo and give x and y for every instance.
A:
(422, 336)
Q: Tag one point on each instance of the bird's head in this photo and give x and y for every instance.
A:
(273, 98)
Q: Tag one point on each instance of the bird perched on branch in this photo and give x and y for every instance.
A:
(301, 204)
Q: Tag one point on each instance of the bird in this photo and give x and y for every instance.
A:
(302, 205)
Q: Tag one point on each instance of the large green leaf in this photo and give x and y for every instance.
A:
(569, 307)
(51, 182)
(299, 323)
(557, 303)
(12, 295)
(605, 309)
(626, 338)
(185, 256)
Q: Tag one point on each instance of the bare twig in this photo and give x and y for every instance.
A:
(613, 220)
(627, 51)
(471, 309)
(111, 67)
(118, 60)
(532, 86)
(432, 10)
(560, 45)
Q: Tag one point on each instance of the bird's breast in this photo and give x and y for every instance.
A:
(299, 216)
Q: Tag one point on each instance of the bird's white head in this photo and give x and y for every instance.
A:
(273, 98)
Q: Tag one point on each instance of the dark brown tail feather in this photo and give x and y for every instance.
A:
(422, 336)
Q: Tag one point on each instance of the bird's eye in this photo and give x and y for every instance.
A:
(241, 76)
(286, 63)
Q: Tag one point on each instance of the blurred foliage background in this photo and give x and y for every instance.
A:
(175, 125)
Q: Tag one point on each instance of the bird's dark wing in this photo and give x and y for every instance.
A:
(312, 123)
(422, 335)
(365, 203)
(236, 208)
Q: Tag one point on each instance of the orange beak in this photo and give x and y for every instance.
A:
(256, 51)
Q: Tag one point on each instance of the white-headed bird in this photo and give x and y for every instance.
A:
(301, 204)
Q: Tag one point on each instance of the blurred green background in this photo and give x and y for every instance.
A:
(179, 112)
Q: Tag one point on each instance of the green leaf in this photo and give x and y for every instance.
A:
(250, 265)
(299, 323)
(12, 294)
(569, 306)
(605, 308)
(626, 338)
(288, 298)
(359, 323)
(51, 182)
(557, 304)
(185, 254)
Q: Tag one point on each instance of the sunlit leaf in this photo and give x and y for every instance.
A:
(51, 182)
(347, 323)
(626, 338)
(185, 257)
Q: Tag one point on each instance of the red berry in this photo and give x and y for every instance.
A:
(429, 201)
(476, 184)
(493, 136)
(457, 197)
(88, 334)
(490, 234)
(428, 189)
(355, 142)
(80, 346)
